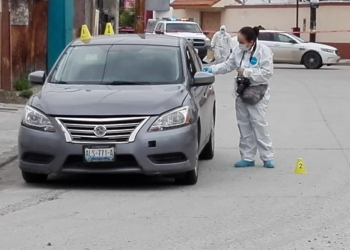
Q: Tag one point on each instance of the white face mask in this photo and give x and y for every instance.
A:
(222, 31)
(243, 47)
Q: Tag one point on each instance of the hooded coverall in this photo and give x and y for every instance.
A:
(251, 118)
(222, 45)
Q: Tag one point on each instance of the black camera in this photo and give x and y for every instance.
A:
(242, 84)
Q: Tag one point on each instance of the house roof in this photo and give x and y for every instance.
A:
(182, 4)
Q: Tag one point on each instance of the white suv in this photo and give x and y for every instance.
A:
(288, 48)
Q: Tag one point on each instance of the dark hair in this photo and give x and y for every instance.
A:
(251, 34)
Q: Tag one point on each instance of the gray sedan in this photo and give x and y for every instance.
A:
(120, 104)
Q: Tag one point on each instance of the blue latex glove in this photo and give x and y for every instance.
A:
(207, 69)
(230, 51)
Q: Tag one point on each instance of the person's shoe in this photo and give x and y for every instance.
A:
(269, 164)
(244, 164)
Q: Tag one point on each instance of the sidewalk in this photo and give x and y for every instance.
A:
(345, 62)
(10, 117)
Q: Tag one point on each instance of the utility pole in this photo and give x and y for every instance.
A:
(313, 6)
(6, 62)
(140, 9)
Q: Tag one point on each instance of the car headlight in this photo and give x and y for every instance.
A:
(34, 119)
(328, 50)
(174, 119)
(207, 42)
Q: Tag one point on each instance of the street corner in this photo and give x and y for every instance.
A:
(7, 155)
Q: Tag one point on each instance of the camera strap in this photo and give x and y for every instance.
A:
(251, 55)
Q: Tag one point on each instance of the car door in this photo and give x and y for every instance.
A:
(286, 48)
(198, 93)
(209, 97)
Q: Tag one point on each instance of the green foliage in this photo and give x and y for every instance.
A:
(22, 83)
(127, 17)
(26, 93)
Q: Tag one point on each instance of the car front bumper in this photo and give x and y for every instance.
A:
(165, 152)
(330, 59)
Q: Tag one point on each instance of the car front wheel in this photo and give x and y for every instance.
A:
(208, 151)
(312, 60)
(34, 178)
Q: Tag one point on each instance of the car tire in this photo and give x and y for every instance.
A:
(312, 60)
(208, 151)
(34, 178)
(190, 177)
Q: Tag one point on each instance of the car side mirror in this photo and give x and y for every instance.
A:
(37, 77)
(206, 33)
(159, 32)
(203, 79)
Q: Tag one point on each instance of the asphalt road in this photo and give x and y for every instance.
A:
(229, 208)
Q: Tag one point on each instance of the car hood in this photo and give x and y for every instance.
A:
(318, 45)
(188, 35)
(107, 100)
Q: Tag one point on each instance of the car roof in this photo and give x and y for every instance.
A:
(270, 31)
(131, 39)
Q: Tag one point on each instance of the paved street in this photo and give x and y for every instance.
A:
(254, 208)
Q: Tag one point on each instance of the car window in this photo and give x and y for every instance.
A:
(190, 64)
(195, 58)
(102, 64)
(183, 27)
(282, 38)
(265, 36)
(161, 27)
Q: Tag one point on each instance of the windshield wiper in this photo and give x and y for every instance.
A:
(128, 83)
(61, 82)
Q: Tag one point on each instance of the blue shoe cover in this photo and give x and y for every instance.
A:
(244, 164)
(269, 164)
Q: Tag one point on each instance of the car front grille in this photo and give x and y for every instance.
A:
(197, 42)
(101, 130)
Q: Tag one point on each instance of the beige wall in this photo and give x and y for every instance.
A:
(328, 18)
(283, 18)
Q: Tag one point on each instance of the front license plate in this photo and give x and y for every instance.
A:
(99, 154)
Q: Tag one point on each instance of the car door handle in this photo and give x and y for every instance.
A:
(276, 44)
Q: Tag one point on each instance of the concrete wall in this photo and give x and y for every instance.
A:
(330, 16)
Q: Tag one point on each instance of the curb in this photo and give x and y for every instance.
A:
(8, 157)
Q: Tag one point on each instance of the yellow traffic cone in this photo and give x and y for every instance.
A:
(85, 33)
(109, 30)
(300, 168)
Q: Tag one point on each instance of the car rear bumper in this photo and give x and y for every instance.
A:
(165, 152)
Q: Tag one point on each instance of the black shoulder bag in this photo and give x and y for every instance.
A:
(253, 94)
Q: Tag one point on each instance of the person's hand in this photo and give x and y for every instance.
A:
(207, 69)
(240, 71)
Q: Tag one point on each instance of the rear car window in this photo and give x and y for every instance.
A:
(99, 64)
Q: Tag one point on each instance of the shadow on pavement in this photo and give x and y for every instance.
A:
(303, 68)
(111, 182)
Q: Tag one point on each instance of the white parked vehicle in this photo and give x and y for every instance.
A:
(182, 27)
(288, 48)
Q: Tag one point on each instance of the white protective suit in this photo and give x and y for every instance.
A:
(222, 43)
(251, 118)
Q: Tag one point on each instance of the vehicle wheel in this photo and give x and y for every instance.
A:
(208, 150)
(34, 178)
(312, 60)
(190, 177)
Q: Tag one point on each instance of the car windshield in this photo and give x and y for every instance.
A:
(183, 27)
(119, 64)
(297, 38)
